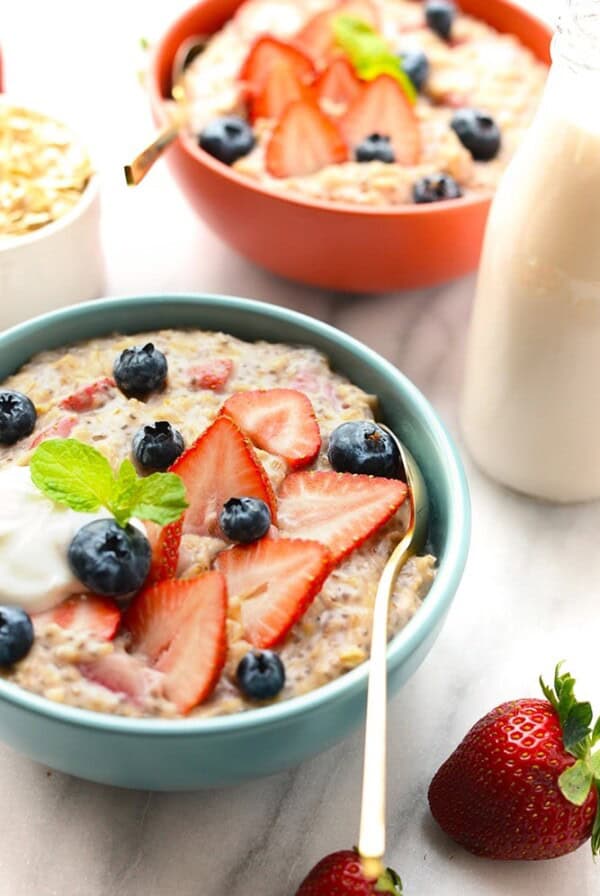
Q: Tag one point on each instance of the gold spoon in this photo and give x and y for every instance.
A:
(139, 167)
(371, 841)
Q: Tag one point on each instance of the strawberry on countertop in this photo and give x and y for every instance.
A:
(304, 141)
(524, 782)
(281, 421)
(340, 510)
(341, 874)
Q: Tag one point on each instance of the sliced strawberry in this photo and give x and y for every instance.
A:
(165, 543)
(276, 580)
(90, 397)
(61, 429)
(303, 142)
(341, 510)
(221, 464)
(281, 421)
(317, 37)
(281, 87)
(180, 626)
(124, 674)
(339, 83)
(213, 374)
(383, 108)
(91, 613)
(265, 54)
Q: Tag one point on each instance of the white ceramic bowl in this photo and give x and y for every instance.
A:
(59, 264)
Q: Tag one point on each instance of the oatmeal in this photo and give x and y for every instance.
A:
(272, 121)
(324, 536)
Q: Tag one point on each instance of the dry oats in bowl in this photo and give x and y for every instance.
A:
(50, 253)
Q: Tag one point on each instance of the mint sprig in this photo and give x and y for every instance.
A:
(579, 739)
(77, 475)
(369, 53)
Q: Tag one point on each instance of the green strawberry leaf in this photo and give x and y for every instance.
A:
(575, 718)
(575, 782)
(576, 728)
(596, 732)
(160, 498)
(596, 828)
(369, 53)
(73, 474)
(389, 882)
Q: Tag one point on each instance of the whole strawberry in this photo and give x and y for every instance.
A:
(524, 783)
(341, 874)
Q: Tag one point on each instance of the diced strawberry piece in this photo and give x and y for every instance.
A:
(180, 626)
(341, 510)
(281, 421)
(265, 54)
(165, 543)
(59, 430)
(221, 464)
(282, 87)
(276, 580)
(212, 374)
(124, 674)
(339, 83)
(90, 397)
(91, 613)
(317, 37)
(383, 108)
(303, 142)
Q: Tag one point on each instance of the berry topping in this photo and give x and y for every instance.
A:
(282, 87)
(524, 783)
(384, 109)
(338, 83)
(440, 15)
(59, 430)
(303, 142)
(364, 447)
(436, 188)
(220, 464)
(179, 626)
(16, 635)
(281, 421)
(156, 446)
(341, 874)
(99, 616)
(109, 560)
(140, 370)
(17, 417)
(375, 148)
(124, 673)
(340, 510)
(416, 65)
(245, 519)
(269, 52)
(478, 132)
(165, 544)
(227, 139)
(212, 374)
(91, 397)
(318, 36)
(261, 674)
(275, 580)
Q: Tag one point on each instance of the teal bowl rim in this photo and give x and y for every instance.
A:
(406, 642)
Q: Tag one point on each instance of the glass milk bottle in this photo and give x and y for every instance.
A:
(531, 400)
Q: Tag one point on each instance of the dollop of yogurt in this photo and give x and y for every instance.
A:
(35, 534)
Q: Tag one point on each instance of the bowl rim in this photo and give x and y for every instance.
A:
(429, 615)
(196, 154)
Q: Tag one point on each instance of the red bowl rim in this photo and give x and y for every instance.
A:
(197, 154)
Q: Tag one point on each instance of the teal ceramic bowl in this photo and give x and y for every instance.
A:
(189, 754)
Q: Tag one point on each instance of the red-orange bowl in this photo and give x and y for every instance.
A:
(326, 244)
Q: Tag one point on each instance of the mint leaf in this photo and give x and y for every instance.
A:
(575, 782)
(160, 498)
(370, 53)
(125, 493)
(73, 474)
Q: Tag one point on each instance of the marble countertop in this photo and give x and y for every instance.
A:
(528, 598)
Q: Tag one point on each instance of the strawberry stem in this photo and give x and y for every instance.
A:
(389, 882)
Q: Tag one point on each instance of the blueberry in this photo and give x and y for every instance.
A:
(478, 132)
(261, 674)
(245, 519)
(17, 417)
(375, 148)
(227, 139)
(16, 635)
(416, 65)
(440, 15)
(110, 560)
(364, 447)
(156, 446)
(435, 188)
(140, 370)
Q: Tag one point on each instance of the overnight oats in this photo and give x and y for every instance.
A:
(190, 523)
(372, 102)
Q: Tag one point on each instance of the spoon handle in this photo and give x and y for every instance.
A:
(139, 167)
(371, 841)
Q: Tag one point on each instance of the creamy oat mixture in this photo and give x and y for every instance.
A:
(333, 635)
(479, 68)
